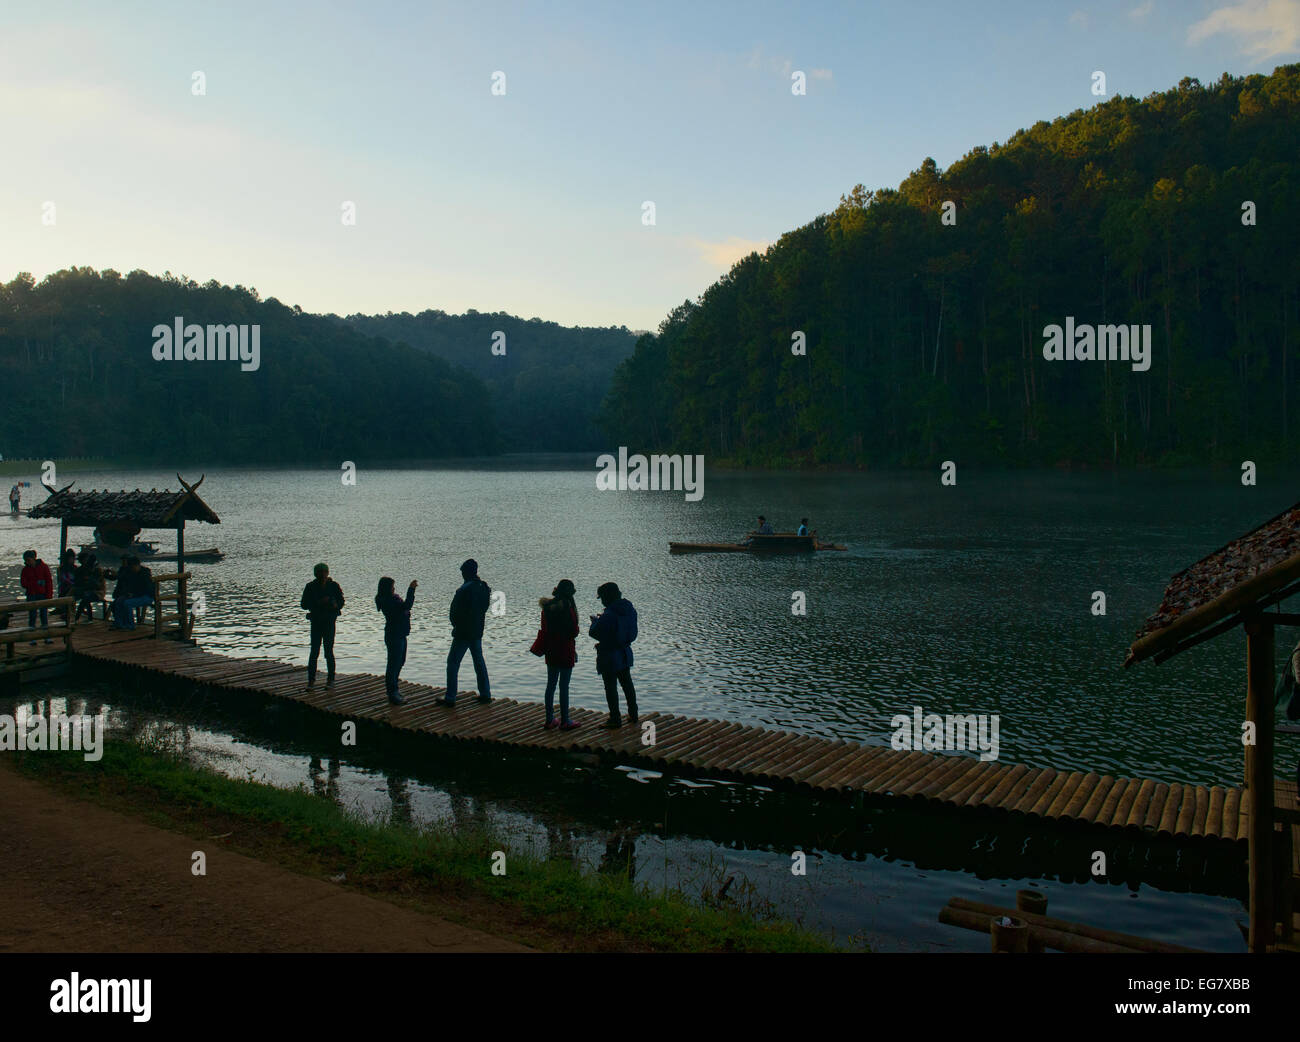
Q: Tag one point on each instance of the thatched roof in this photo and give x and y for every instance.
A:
(152, 509)
(1251, 572)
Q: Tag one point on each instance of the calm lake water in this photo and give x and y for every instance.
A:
(971, 599)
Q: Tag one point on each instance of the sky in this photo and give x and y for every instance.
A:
(531, 200)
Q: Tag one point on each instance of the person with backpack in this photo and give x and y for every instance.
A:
(555, 642)
(397, 627)
(468, 607)
(614, 630)
(322, 600)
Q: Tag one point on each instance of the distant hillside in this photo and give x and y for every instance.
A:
(80, 379)
(925, 339)
(547, 386)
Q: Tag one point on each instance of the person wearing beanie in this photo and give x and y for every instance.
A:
(468, 608)
(614, 630)
(322, 600)
(555, 642)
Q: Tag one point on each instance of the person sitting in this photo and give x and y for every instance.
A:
(763, 527)
(803, 527)
(134, 590)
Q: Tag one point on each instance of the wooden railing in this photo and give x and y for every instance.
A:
(57, 630)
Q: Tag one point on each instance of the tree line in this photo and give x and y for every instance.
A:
(80, 379)
(547, 381)
(924, 336)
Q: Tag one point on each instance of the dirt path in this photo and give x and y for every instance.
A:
(75, 877)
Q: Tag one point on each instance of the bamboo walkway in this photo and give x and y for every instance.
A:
(714, 747)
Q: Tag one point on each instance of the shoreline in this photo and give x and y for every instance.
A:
(534, 902)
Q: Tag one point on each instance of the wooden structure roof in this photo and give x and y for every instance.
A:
(1210, 597)
(152, 509)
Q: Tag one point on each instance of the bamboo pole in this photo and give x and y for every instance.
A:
(1126, 941)
(1259, 779)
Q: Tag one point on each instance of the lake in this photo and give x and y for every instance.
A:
(975, 598)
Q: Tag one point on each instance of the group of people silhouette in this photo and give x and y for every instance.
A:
(614, 630)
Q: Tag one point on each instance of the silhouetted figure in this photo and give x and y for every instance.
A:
(803, 527)
(468, 607)
(134, 590)
(322, 600)
(763, 527)
(559, 628)
(397, 627)
(614, 630)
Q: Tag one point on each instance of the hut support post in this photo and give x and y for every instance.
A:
(1259, 780)
(180, 547)
(63, 540)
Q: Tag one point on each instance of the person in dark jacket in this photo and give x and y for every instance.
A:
(559, 627)
(134, 590)
(468, 607)
(322, 600)
(397, 627)
(86, 584)
(67, 578)
(614, 630)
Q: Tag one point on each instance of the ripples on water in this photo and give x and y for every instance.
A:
(973, 598)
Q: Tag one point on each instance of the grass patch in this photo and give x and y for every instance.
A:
(547, 904)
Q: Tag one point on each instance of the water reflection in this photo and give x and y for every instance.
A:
(874, 871)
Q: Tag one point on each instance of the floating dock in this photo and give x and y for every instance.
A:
(715, 747)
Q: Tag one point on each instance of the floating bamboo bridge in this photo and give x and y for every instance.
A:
(714, 747)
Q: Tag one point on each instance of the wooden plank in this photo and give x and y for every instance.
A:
(1202, 810)
(1187, 812)
(1065, 794)
(1214, 819)
(1169, 816)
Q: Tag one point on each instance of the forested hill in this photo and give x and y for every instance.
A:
(547, 386)
(925, 340)
(80, 378)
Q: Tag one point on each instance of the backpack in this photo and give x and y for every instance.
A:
(626, 628)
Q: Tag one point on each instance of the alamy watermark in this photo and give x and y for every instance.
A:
(952, 733)
(639, 473)
(57, 733)
(192, 343)
(93, 995)
(1086, 343)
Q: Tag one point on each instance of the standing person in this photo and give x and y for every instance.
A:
(134, 590)
(803, 527)
(559, 627)
(15, 499)
(614, 630)
(397, 627)
(468, 607)
(322, 600)
(39, 584)
(86, 584)
(67, 579)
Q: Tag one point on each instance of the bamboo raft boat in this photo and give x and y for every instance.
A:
(148, 552)
(713, 748)
(780, 542)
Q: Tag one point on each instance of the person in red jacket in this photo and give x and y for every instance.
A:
(559, 627)
(39, 584)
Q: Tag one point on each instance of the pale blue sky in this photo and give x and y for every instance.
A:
(530, 202)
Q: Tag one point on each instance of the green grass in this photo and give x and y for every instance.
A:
(548, 904)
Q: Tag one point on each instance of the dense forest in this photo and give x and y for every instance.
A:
(924, 339)
(548, 384)
(77, 362)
